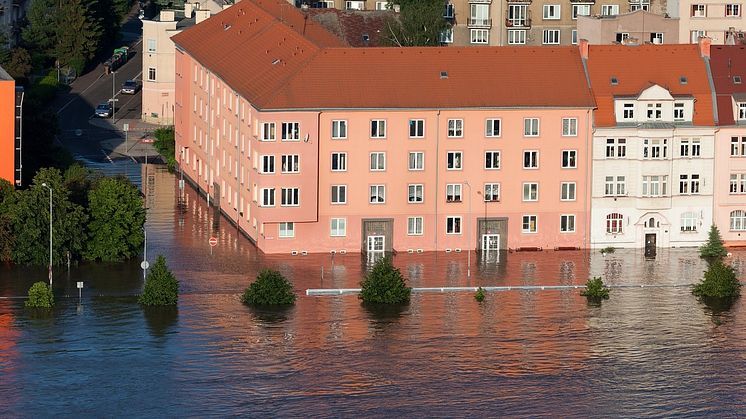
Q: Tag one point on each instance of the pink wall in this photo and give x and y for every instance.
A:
(7, 130)
(725, 202)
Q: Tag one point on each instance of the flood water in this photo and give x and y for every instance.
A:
(648, 351)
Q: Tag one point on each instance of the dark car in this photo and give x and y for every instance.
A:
(103, 110)
(130, 87)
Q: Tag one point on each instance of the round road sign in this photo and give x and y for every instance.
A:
(213, 241)
(144, 264)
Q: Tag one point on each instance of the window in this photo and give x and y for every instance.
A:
(338, 227)
(574, 37)
(268, 197)
(567, 223)
(690, 148)
(290, 163)
(569, 127)
(551, 37)
(453, 160)
(151, 46)
(453, 225)
(416, 160)
(453, 192)
(567, 191)
(639, 5)
(656, 38)
(290, 197)
(616, 148)
(529, 224)
(479, 14)
(355, 5)
(742, 111)
(382, 5)
(530, 191)
(622, 36)
(609, 9)
(689, 221)
(415, 193)
(339, 194)
(151, 74)
(455, 128)
(614, 223)
(516, 36)
(268, 164)
(654, 149)
(446, 35)
(290, 131)
(492, 128)
(530, 127)
(287, 230)
(737, 183)
(339, 162)
(480, 36)
(581, 10)
(653, 186)
(738, 220)
(551, 11)
(414, 226)
(518, 16)
(699, 10)
(732, 10)
(628, 111)
(689, 184)
(491, 192)
(268, 131)
(378, 128)
(678, 111)
(695, 35)
(655, 111)
(377, 194)
(569, 159)
(377, 161)
(737, 146)
(339, 129)
(492, 160)
(531, 159)
(416, 128)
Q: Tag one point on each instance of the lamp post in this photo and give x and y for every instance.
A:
(50, 233)
(113, 83)
(468, 248)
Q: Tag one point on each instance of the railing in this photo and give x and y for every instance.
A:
(520, 1)
(481, 1)
(479, 23)
(518, 23)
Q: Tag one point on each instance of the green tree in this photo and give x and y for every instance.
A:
(420, 23)
(270, 288)
(31, 222)
(17, 62)
(166, 145)
(40, 296)
(161, 287)
(384, 284)
(79, 180)
(714, 247)
(719, 282)
(78, 33)
(7, 208)
(595, 290)
(117, 217)
(40, 32)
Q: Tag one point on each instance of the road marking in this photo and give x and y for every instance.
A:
(78, 95)
(107, 156)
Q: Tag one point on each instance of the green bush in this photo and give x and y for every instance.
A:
(595, 290)
(714, 247)
(719, 282)
(161, 287)
(479, 295)
(166, 146)
(270, 288)
(40, 296)
(609, 249)
(384, 285)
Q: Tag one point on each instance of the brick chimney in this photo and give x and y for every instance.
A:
(583, 46)
(704, 46)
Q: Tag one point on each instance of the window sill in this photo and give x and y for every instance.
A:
(689, 231)
(453, 201)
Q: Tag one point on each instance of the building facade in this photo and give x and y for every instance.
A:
(706, 18)
(8, 161)
(653, 146)
(637, 27)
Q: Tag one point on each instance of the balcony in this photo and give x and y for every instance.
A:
(520, 1)
(518, 23)
(481, 1)
(479, 23)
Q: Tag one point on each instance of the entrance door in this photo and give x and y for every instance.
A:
(376, 244)
(650, 245)
(490, 245)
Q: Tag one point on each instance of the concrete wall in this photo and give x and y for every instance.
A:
(725, 201)
(715, 24)
(637, 24)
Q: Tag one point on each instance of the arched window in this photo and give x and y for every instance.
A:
(614, 223)
(689, 221)
(651, 222)
(738, 220)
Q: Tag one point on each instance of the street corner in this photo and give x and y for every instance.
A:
(107, 124)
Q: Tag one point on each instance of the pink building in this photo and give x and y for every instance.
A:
(310, 146)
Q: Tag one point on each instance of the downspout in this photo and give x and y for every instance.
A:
(437, 174)
(209, 140)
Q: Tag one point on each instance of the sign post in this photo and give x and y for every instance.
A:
(213, 242)
(126, 128)
(80, 290)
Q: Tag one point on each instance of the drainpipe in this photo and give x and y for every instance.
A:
(437, 173)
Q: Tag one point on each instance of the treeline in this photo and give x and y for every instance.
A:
(95, 218)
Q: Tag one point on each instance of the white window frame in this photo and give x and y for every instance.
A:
(738, 146)
(578, 8)
(268, 164)
(415, 193)
(616, 148)
(569, 159)
(377, 194)
(341, 192)
(491, 192)
(569, 127)
(290, 163)
(454, 192)
(732, 10)
(341, 161)
(418, 158)
(655, 186)
(529, 224)
(516, 37)
(416, 128)
(531, 127)
(455, 128)
(415, 226)
(552, 12)
(689, 221)
(614, 223)
(268, 197)
(151, 74)
(574, 37)
(493, 127)
(455, 157)
(268, 131)
(698, 10)
(290, 131)
(479, 36)
(742, 111)
(339, 129)
(609, 9)
(453, 224)
(568, 191)
(378, 128)
(533, 159)
(338, 227)
(289, 197)
(530, 191)
(286, 230)
(377, 161)
(615, 186)
(550, 37)
(628, 111)
(655, 148)
(737, 220)
(492, 160)
(567, 223)
(152, 44)
(737, 184)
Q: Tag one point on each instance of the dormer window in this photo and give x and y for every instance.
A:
(678, 111)
(628, 111)
(655, 111)
(736, 79)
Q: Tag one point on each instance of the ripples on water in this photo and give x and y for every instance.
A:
(644, 352)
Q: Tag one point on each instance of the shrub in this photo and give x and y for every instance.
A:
(479, 295)
(40, 296)
(719, 282)
(595, 290)
(166, 146)
(609, 249)
(714, 247)
(384, 285)
(270, 288)
(161, 287)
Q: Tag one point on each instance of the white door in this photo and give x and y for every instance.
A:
(490, 245)
(376, 244)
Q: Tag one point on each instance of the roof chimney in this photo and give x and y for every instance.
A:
(201, 15)
(704, 46)
(583, 46)
(167, 16)
(188, 9)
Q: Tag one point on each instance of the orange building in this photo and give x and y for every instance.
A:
(7, 126)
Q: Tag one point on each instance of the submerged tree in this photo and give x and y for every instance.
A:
(161, 287)
(714, 248)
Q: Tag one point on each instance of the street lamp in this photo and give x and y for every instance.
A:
(50, 233)
(113, 83)
(468, 248)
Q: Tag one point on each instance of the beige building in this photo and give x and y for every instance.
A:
(639, 26)
(158, 62)
(699, 18)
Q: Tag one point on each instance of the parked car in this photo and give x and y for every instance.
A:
(104, 110)
(141, 16)
(130, 87)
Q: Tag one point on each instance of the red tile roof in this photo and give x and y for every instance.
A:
(352, 25)
(637, 67)
(241, 44)
(727, 61)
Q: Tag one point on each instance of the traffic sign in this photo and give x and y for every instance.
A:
(80, 284)
(125, 127)
(145, 264)
(213, 241)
